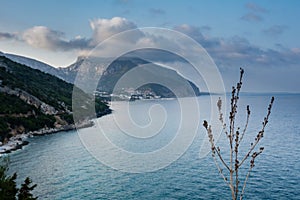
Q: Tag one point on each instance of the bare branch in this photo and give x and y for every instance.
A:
(235, 137)
(254, 155)
(221, 171)
(244, 186)
(213, 147)
(260, 133)
(236, 165)
(246, 124)
(221, 158)
(219, 105)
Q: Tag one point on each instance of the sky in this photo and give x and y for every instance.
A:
(260, 35)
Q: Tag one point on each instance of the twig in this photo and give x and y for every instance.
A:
(260, 133)
(254, 155)
(246, 124)
(235, 139)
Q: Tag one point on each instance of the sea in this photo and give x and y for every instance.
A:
(136, 166)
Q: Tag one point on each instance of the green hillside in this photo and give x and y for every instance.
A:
(20, 117)
(46, 87)
(31, 100)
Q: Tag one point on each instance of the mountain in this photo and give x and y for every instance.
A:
(32, 100)
(35, 64)
(146, 71)
(95, 67)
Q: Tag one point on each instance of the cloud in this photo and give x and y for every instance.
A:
(252, 17)
(254, 14)
(267, 69)
(196, 33)
(7, 36)
(275, 30)
(238, 51)
(191, 31)
(45, 38)
(205, 28)
(255, 8)
(233, 51)
(228, 53)
(104, 28)
(157, 11)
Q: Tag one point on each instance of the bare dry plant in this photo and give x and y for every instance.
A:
(235, 136)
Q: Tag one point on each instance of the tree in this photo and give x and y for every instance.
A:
(235, 137)
(8, 186)
(9, 189)
(25, 190)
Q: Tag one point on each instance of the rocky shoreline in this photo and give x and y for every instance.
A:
(20, 140)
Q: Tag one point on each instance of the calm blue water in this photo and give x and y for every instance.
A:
(64, 169)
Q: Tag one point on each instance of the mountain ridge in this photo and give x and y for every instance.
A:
(110, 75)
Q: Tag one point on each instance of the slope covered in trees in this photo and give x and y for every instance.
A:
(31, 100)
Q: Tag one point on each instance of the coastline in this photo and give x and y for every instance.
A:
(17, 142)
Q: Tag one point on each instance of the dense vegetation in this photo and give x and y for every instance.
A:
(8, 186)
(46, 87)
(12, 104)
(15, 113)
(17, 116)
